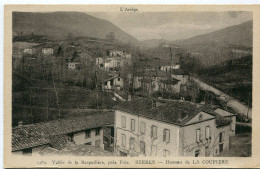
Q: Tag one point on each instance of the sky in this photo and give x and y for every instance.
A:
(173, 25)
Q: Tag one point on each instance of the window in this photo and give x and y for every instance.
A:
(123, 139)
(198, 135)
(118, 79)
(154, 132)
(105, 83)
(132, 124)
(197, 152)
(97, 131)
(154, 150)
(221, 137)
(166, 153)
(27, 151)
(221, 146)
(89, 143)
(142, 127)
(132, 143)
(88, 134)
(142, 147)
(97, 143)
(123, 122)
(207, 134)
(166, 135)
(71, 137)
(207, 152)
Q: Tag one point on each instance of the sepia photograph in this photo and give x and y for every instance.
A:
(131, 83)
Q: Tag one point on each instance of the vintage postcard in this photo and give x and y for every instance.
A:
(131, 86)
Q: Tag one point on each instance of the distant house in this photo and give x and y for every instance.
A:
(148, 79)
(168, 68)
(47, 51)
(74, 65)
(170, 85)
(171, 128)
(34, 138)
(29, 51)
(115, 82)
(115, 53)
(181, 75)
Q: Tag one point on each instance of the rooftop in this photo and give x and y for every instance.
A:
(171, 81)
(151, 73)
(72, 149)
(174, 112)
(42, 133)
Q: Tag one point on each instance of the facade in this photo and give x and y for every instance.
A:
(170, 85)
(116, 83)
(47, 51)
(74, 65)
(168, 68)
(115, 53)
(175, 128)
(29, 51)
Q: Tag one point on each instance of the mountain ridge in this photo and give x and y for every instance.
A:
(59, 24)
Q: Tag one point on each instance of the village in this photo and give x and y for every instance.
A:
(86, 96)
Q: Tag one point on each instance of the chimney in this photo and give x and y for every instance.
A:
(129, 98)
(20, 123)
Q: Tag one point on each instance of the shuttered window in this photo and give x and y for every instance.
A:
(132, 143)
(154, 132)
(198, 135)
(142, 127)
(207, 134)
(123, 121)
(166, 135)
(132, 124)
(142, 147)
(123, 140)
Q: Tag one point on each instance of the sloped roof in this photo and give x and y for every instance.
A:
(171, 81)
(39, 133)
(221, 119)
(76, 150)
(151, 73)
(174, 112)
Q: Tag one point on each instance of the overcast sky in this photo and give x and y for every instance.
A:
(173, 25)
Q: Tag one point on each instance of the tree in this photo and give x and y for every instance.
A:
(110, 37)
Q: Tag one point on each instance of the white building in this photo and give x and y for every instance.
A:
(176, 128)
(29, 51)
(168, 68)
(47, 51)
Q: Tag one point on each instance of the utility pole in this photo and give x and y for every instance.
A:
(47, 106)
(31, 104)
(56, 93)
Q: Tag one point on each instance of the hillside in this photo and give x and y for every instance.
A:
(225, 44)
(60, 24)
(239, 35)
(153, 43)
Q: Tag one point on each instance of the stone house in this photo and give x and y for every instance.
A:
(34, 138)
